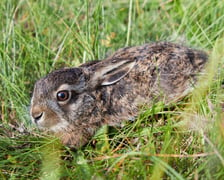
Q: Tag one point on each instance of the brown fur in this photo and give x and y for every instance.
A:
(111, 90)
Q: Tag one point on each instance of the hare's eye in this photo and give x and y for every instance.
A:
(62, 95)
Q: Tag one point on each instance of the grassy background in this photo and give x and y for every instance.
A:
(182, 141)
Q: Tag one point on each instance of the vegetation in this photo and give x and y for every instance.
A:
(184, 140)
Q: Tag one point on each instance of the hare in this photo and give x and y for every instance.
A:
(75, 102)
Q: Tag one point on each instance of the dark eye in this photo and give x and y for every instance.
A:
(62, 95)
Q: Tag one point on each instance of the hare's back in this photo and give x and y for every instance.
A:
(164, 69)
(162, 52)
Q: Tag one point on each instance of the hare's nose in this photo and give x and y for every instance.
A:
(37, 117)
(36, 113)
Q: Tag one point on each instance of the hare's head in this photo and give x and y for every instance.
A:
(66, 96)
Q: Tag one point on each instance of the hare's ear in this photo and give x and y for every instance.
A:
(109, 72)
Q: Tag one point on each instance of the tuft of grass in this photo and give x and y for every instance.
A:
(183, 140)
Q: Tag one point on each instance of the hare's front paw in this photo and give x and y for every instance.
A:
(73, 139)
(76, 137)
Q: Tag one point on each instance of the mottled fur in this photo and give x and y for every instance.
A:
(111, 90)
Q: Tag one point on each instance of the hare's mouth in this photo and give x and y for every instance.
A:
(62, 125)
(59, 127)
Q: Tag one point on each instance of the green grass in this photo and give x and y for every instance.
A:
(180, 141)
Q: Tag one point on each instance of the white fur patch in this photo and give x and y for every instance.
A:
(61, 126)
